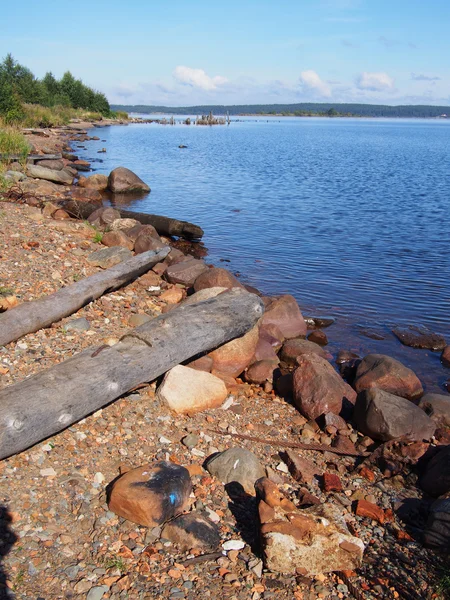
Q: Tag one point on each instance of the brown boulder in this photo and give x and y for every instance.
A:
(56, 165)
(294, 348)
(234, 356)
(94, 182)
(135, 231)
(445, 356)
(185, 272)
(151, 494)
(124, 181)
(388, 374)
(265, 350)
(261, 371)
(419, 337)
(117, 238)
(437, 407)
(103, 216)
(301, 469)
(318, 337)
(192, 530)
(284, 313)
(317, 388)
(144, 243)
(85, 194)
(216, 277)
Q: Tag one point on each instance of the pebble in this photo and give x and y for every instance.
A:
(97, 593)
(233, 545)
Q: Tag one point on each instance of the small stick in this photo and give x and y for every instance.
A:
(303, 446)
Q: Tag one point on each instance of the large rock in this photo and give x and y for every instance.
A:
(296, 347)
(388, 374)
(216, 277)
(185, 272)
(123, 224)
(204, 295)
(188, 390)
(151, 494)
(436, 534)
(108, 257)
(40, 187)
(261, 371)
(85, 195)
(145, 242)
(284, 313)
(192, 530)
(49, 175)
(55, 165)
(103, 216)
(95, 182)
(117, 238)
(233, 357)
(138, 228)
(236, 465)
(435, 479)
(317, 388)
(124, 181)
(437, 407)
(445, 356)
(419, 337)
(305, 542)
(383, 416)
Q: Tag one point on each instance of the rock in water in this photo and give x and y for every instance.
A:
(388, 374)
(188, 390)
(95, 182)
(124, 181)
(151, 494)
(284, 313)
(192, 530)
(216, 277)
(445, 356)
(419, 337)
(236, 465)
(306, 542)
(383, 416)
(297, 346)
(318, 389)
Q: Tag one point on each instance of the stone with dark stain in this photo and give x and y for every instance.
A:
(192, 530)
(151, 494)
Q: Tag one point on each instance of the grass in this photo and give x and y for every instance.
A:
(115, 562)
(443, 587)
(98, 237)
(12, 142)
(6, 291)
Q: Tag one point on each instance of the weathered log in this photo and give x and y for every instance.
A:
(50, 401)
(163, 225)
(37, 314)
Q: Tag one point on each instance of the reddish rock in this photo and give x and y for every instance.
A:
(261, 371)
(144, 243)
(94, 182)
(185, 272)
(331, 483)
(437, 407)
(344, 444)
(297, 347)
(330, 419)
(419, 337)
(150, 279)
(85, 195)
(445, 356)
(192, 530)
(216, 277)
(367, 474)
(301, 469)
(271, 332)
(117, 238)
(317, 388)
(284, 313)
(269, 492)
(318, 337)
(233, 357)
(388, 374)
(160, 268)
(151, 494)
(370, 510)
(124, 181)
(60, 215)
(172, 296)
(81, 165)
(139, 229)
(204, 363)
(103, 216)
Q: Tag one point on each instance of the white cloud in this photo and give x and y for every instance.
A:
(197, 78)
(375, 82)
(311, 81)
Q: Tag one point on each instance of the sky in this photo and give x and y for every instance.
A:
(179, 53)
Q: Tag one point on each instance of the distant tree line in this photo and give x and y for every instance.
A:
(303, 109)
(18, 85)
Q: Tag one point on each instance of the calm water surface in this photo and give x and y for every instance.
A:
(351, 216)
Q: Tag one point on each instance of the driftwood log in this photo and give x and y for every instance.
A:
(48, 402)
(32, 316)
(163, 225)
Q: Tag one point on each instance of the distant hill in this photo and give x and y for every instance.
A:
(303, 109)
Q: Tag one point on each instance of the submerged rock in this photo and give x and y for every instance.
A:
(151, 494)
(419, 337)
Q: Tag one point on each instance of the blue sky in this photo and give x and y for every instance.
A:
(239, 52)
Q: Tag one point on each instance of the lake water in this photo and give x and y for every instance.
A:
(351, 216)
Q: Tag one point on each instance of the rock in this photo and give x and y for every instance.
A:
(332, 420)
(370, 511)
(383, 416)
(331, 483)
(108, 257)
(261, 371)
(103, 216)
(437, 407)
(301, 469)
(204, 363)
(172, 296)
(185, 272)
(95, 182)
(150, 279)
(344, 444)
(233, 357)
(97, 592)
(319, 322)
(55, 165)
(49, 209)
(437, 530)
(85, 195)
(236, 465)
(81, 165)
(435, 479)
(123, 224)
(188, 390)
(204, 295)
(445, 356)
(298, 346)
(136, 230)
(419, 337)
(81, 324)
(233, 545)
(151, 494)
(145, 242)
(308, 541)
(138, 320)
(60, 215)
(388, 374)
(49, 175)
(216, 277)
(317, 388)
(117, 238)
(284, 313)
(14, 176)
(190, 440)
(265, 350)
(41, 188)
(318, 337)
(124, 181)
(8, 301)
(192, 530)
